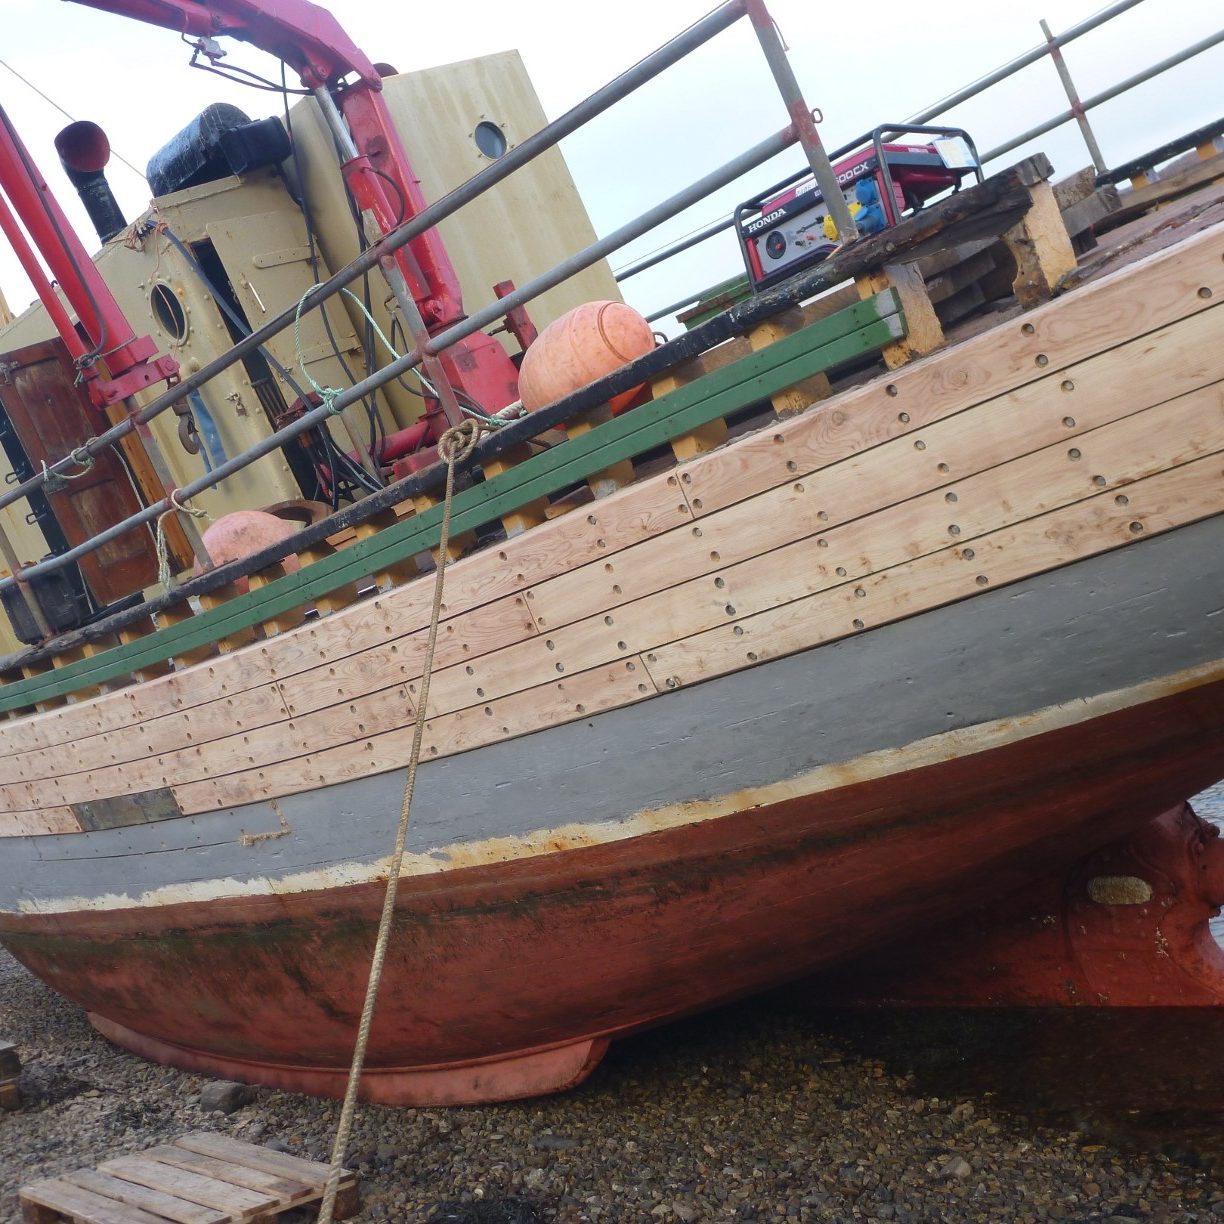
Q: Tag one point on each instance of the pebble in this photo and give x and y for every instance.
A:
(224, 1096)
(958, 1166)
(812, 1133)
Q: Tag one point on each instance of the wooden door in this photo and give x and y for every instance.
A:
(51, 416)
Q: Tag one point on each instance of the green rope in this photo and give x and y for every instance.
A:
(329, 394)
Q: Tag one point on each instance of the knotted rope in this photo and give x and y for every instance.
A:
(455, 446)
(163, 549)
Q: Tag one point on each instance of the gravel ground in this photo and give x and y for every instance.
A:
(755, 1113)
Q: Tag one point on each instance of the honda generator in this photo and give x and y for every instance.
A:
(788, 227)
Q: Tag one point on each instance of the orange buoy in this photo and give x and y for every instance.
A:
(581, 346)
(242, 533)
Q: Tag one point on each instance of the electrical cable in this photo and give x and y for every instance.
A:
(240, 325)
(378, 430)
(234, 74)
(71, 118)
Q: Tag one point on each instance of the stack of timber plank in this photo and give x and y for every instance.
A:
(964, 278)
(201, 1178)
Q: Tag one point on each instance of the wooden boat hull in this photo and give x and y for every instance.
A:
(512, 964)
(536, 964)
(856, 672)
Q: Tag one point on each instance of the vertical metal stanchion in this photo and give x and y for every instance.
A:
(1077, 107)
(801, 115)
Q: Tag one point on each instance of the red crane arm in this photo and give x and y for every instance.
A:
(300, 33)
(376, 169)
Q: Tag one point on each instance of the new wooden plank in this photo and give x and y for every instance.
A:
(1065, 405)
(755, 377)
(83, 1206)
(649, 509)
(559, 701)
(164, 1206)
(351, 698)
(257, 707)
(1025, 488)
(209, 1143)
(762, 553)
(38, 823)
(871, 546)
(1100, 524)
(182, 1183)
(1092, 320)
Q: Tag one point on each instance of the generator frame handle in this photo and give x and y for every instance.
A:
(874, 137)
(877, 139)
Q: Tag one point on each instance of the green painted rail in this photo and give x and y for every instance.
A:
(853, 332)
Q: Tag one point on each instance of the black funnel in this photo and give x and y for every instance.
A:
(84, 151)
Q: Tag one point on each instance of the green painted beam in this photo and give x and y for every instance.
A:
(858, 330)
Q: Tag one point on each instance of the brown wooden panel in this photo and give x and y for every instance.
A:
(51, 416)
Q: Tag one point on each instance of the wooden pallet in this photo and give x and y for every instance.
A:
(201, 1178)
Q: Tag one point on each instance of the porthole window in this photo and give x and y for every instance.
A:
(169, 312)
(490, 139)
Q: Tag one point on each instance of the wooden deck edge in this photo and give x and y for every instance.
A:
(859, 329)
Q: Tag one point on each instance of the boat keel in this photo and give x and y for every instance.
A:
(483, 1082)
(1126, 927)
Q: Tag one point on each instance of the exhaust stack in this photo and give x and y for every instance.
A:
(84, 151)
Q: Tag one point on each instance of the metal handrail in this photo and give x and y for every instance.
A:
(1076, 111)
(1077, 108)
(379, 252)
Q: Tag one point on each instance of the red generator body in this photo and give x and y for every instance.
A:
(786, 228)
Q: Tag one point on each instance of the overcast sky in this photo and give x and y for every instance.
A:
(860, 64)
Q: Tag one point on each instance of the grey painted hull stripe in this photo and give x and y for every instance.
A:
(1103, 624)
